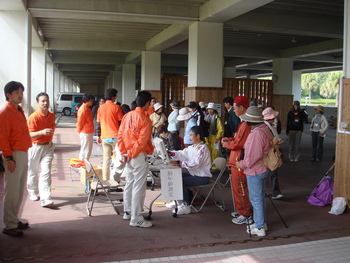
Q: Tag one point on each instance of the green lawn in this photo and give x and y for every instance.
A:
(324, 102)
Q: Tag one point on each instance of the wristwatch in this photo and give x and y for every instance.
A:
(10, 158)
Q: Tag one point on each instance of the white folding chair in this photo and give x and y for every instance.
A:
(220, 164)
(97, 184)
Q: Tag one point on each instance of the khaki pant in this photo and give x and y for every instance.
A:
(14, 184)
(108, 150)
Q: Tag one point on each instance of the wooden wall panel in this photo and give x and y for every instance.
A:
(342, 153)
(282, 104)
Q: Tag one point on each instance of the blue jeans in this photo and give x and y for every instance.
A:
(256, 188)
(189, 180)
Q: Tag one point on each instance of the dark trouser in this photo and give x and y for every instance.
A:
(317, 146)
(275, 188)
(188, 180)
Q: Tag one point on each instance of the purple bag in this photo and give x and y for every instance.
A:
(323, 194)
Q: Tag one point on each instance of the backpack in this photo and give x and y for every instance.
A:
(273, 159)
(203, 123)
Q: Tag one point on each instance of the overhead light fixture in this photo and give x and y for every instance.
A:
(40, 32)
(293, 40)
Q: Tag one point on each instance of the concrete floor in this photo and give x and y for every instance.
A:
(65, 233)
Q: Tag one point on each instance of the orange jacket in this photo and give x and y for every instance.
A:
(85, 123)
(109, 115)
(38, 121)
(236, 144)
(135, 134)
(150, 111)
(14, 133)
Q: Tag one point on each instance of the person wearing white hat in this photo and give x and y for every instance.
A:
(216, 130)
(158, 118)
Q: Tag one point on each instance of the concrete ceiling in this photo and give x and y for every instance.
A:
(89, 38)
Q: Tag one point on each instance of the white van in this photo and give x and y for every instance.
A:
(64, 102)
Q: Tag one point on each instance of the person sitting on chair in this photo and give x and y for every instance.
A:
(196, 159)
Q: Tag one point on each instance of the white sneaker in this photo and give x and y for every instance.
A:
(242, 220)
(142, 223)
(183, 210)
(259, 232)
(235, 214)
(126, 216)
(46, 203)
(253, 226)
(171, 204)
(279, 196)
(34, 197)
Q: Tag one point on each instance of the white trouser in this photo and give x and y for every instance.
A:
(14, 184)
(86, 141)
(40, 156)
(135, 188)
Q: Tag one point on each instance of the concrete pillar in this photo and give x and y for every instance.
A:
(50, 81)
(283, 76)
(38, 73)
(150, 70)
(205, 55)
(117, 84)
(128, 83)
(297, 85)
(15, 51)
(229, 72)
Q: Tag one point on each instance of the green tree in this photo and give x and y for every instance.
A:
(309, 82)
(330, 87)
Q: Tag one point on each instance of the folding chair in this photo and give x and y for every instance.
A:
(96, 185)
(220, 164)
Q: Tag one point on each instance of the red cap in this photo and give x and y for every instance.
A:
(242, 100)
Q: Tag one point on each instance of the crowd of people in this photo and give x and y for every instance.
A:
(244, 135)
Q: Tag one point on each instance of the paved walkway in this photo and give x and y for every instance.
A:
(334, 250)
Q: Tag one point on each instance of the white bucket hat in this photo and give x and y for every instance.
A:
(211, 105)
(184, 114)
(157, 106)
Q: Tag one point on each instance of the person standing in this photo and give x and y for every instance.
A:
(14, 142)
(134, 143)
(270, 116)
(174, 123)
(85, 127)
(109, 116)
(41, 126)
(256, 146)
(294, 130)
(193, 120)
(158, 118)
(318, 128)
(232, 122)
(216, 130)
(94, 110)
(238, 178)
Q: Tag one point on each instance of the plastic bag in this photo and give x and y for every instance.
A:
(338, 206)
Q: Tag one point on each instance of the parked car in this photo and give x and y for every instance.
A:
(64, 102)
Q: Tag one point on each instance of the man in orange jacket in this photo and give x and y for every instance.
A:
(85, 126)
(108, 117)
(14, 142)
(239, 185)
(134, 142)
(41, 124)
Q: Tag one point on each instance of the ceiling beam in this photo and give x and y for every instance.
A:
(222, 11)
(287, 24)
(95, 45)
